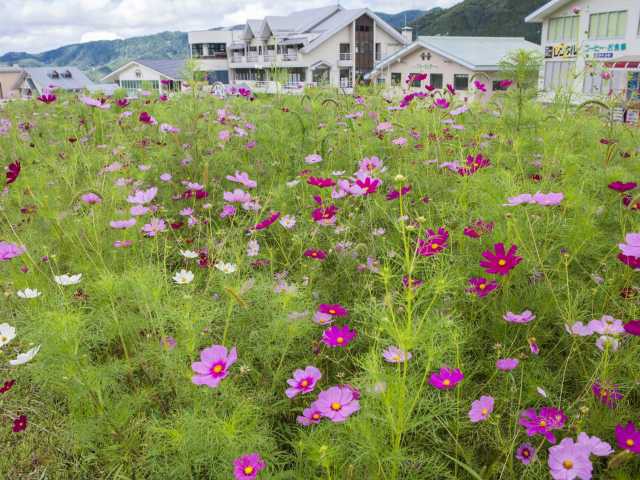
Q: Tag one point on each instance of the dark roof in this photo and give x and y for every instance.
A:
(66, 78)
(169, 68)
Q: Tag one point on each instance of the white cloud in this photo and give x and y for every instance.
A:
(39, 25)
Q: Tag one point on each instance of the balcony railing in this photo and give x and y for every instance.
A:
(345, 56)
(269, 57)
(346, 83)
(252, 57)
(289, 57)
(237, 58)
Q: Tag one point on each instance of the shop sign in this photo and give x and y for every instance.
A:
(561, 51)
(604, 51)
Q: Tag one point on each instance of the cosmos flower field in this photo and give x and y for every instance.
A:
(325, 286)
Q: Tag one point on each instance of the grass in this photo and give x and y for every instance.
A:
(105, 398)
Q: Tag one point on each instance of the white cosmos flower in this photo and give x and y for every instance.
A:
(183, 277)
(7, 333)
(189, 254)
(293, 183)
(66, 279)
(28, 293)
(25, 357)
(226, 267)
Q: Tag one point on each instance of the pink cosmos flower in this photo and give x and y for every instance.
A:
(474, 164)
(333, 309)
(10, 250)
(321, 182)
(242, 178)
(313, 158)
(91, 198)
(411, 282)
(548, 199)
(569, 460)
(248, 466)
(632, 246)
(622, 186)
(310, 416)
(237, 196)
(267, 222)
(632, 327)
(524, 317)
(519, 200)
(13, 172)
(481, 287)
(607, 395)
(93, 102)
(384, 127)
(122, 224)
(213, 365)
(337, 403)
(526, 453)
(142, 197)
(155, 226)
(505, 83)
(446, 378)
(549, 419)
(594, 445)
(316, 254)
(480, 86)
(394, 354)
(47, 97)
(481, 409)
(507, 364)
(144, 117)
(441, 103)
(303, 381)
(500, 262)
(369, 165)
(338, 336)
(435, 242)
(325, 216)
(395, 194)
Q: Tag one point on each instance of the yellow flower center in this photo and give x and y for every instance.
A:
(340, 340)
(396, 358)
(604, 393)
(304, 383)
(446, 382)
(543, 423)
(435, 246)
(482, 286)
(485, 411)
(630, 443)
(3, 339)
(314, 254)
(315, 416)
(332, 311)
(336, 406)
(568, 464)
(502, 262)
(217, 368)
(248, 470)
(525, 453)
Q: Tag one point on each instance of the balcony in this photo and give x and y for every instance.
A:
(289, 57)
(345, 57)
(237, 59)
(252, 57)
(269, 57)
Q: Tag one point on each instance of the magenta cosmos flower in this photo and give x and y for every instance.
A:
(394, 354)
(526, 453)
(321, 182)
(267, 222)
(315, 253)
(570, 460)
(213, 365)
(608, 395)
(628, 437)
(248, 466)
(550, 418)
(446, 378)
(507, 364)
(632, 327)
(338, 336)
(337, 403)
(303, 381)
(333, 309)
(481, 409)
(481, 287)
(9, 251)
(500, 262)
(435, 242)
(622, 186)
(13, 172)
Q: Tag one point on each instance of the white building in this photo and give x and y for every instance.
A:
(35, 80)
(592, 47)
(329, 45)
(456, 61)
(161, 76)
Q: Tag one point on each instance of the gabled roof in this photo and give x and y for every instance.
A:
(545, 10)
(172, 69)
(339, 20)
(64, 77)
(481, 54)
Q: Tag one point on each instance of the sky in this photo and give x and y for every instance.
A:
(39, 25)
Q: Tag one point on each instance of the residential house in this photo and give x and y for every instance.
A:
(592, 47)
(38, 79)
(10, 80)
(330, 45)
(456, 61)
(158, 75)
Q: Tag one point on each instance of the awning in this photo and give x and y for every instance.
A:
(236, 45)
(292, 41)
(629, 62)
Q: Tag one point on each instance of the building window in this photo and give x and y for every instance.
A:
(461, 82)
(197, 50)
(557, 74)
(498, 86)
(436, 80)
(563, 29)
(378, 52)
(217, 50)
(414, 83)
(380, 80)
(608, 25)
(138, 73)
(594, 84)
(396, 78)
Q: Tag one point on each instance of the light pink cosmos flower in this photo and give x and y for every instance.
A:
(142, 197)
(310, 416)
(91, 198)
(92, 102)
(155, 226)
(519, 200)
(213, 365)
(303, 381)
(524, 317)
(548, 199)
(337, 403)
(167, 128)
(242, 178)
(237, 196)
(568, 461)
(481, 409)
(139, 210)
(607, 325)
(10, 250)
(123, 224)
(394, 354)
(312, 159)
(632, 247)
(507, 364)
